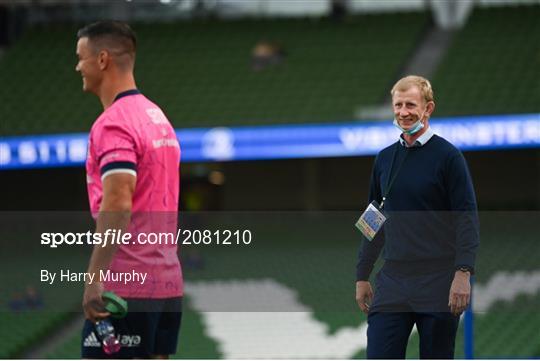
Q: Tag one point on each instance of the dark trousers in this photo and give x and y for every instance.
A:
(388, 334)
(403, 300)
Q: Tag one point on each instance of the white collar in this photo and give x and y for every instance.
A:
(421, 141)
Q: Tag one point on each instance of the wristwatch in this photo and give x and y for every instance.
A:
(465, 269)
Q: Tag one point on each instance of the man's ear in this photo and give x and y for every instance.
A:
(430, 108)
(103, 59)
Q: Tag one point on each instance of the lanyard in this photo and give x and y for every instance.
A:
(390, 181)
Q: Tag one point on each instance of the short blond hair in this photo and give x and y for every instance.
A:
(421, 83)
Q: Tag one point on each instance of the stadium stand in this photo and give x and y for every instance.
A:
(25, 325)
(19, 330)
(201, 73)
(493, 66)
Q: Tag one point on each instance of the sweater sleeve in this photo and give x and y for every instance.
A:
(369, 251)
(464, 208)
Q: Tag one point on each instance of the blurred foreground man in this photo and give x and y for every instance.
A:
(133, 186)
(423, 213)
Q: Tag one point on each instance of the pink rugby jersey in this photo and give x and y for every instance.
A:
(134, 136)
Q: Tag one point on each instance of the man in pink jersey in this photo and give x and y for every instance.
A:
(133, 186)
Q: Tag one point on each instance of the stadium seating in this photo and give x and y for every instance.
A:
(29, 325)
(21, 329)
(201, 74)
(493, 65)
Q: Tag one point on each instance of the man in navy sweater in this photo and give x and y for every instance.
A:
(430, 237)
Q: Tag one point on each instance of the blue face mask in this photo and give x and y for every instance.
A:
(415, 128)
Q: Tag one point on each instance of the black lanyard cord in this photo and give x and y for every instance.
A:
(391, 180)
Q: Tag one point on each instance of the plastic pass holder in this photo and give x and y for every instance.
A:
(371, 221)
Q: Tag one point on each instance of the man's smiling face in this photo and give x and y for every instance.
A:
(88, 66)
(408, 106)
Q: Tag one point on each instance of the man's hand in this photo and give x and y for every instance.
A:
(93, 306)
(460, 293)
(364, 295)
(115, 213)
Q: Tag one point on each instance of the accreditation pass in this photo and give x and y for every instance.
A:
(371, 221)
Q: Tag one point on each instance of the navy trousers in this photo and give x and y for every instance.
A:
(400, 302)
(388, 334)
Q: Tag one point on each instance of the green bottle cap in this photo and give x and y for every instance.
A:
(115, 304)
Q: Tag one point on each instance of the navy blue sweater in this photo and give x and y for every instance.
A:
(431, 208)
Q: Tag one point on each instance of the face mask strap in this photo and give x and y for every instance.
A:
(417, 126)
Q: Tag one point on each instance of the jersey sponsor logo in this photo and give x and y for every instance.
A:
(91, 341)
(125, 340)
(129, 340)
(165, 142)
(156, 116)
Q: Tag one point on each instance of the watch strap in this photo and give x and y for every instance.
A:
(465, 268)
